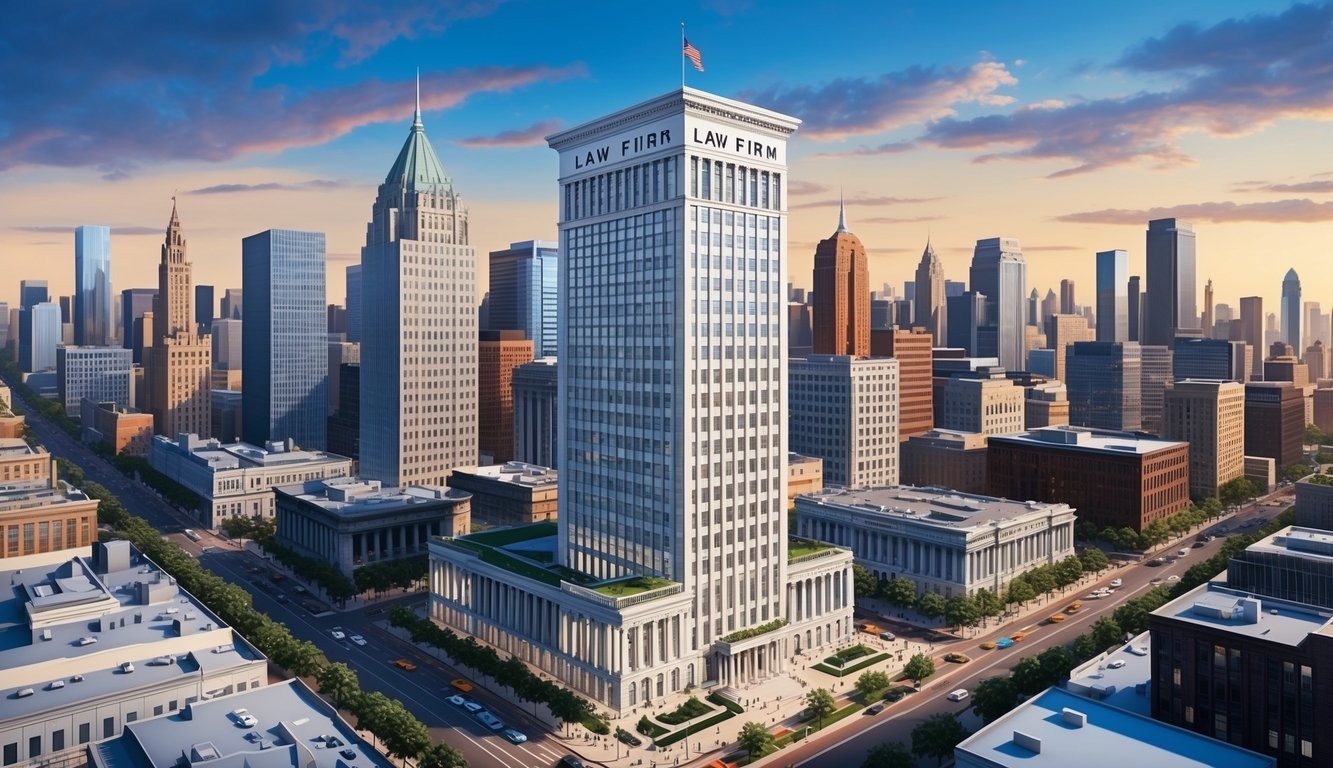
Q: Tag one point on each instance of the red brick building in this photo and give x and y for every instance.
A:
(498, 354)
(916, 392)
(842, 295)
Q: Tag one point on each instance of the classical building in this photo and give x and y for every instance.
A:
(638, 592)
(535, 425)
(916, 400)
(121, 429)
(178, 365)
(507, 494)
(1210, 416)
(946, 458)
(418, 269)
(237, 479)
(842, 294)
(947, 542)
(844, 410)
(498, 354)
(1112, 478)
(96, 373)
(351, 522)
(39, 512)
(102, 638)
(805, 474)
(1274, 421)
(986, 402)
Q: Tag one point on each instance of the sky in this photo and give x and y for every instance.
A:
(1067, 126)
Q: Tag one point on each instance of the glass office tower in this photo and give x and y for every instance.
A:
(94, 323)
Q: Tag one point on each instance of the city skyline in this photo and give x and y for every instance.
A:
(954, 139)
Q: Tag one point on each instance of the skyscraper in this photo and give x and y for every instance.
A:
(203, 307)
(1291, 309)
(1171, 281)
(1112, 296)
(842, 294)
(1068, 304)
(232, 306)
(1207, 309)
(94, 325)
(498, 354)
(1034, 309)
(1105, 380)
(1252, 330)
(999, 272)
(1134, 308)
(134, 303)
(178, 372)
(1061, 331)
(931, 310)
(284, 347)
(524, 278)
(354, 303)
(418, 378)
(1155, 370)
(41, 337)
(967, 315)
(1210, 416)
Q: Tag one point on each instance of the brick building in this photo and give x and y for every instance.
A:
(1274, 421)
(916, 401)
(498, 354)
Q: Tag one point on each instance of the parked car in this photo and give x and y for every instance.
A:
(461, 684)
(489, 720)
(887, 636)
(456, 700)
(874, 709)
(958, 694)
(569, 761)
(359, 640)
(628, 738)
(1117, 583)
(338, 634)
(895, 695)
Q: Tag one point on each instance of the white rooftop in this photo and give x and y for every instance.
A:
(1121, 677)
(1086, 439)
(219, 456)
(516, 472)
(1241, 613)
(353, 497)
(930, 506)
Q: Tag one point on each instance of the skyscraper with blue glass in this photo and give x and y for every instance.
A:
(284, 346)
(1000, 273)
(524, 278)
(94, 324)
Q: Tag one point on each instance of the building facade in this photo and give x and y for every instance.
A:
(510, 494)
(842, 294)
(1113, 295)
(1274, 421)
(122, 430)
(178, 369)
(1210, 416)
(946, 458)
(498, 354)
(1172, 283)
(536, 427)
(1209, 359)
(524, 279)
(986, 402)
(1061, 332)
(931, 310)
(916, 399)
(1104, 384)
(1045, 404)
(94, 317)
(805, 474)
(999, 272)
(1314, 503)
(1155, 372)
(96, 373)
(134, 304)
(844, 410)
(1291, 308)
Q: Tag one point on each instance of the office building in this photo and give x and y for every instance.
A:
(535, 386)
(1207, 318)
(498, 354)
(509, 494)
(999, 273)
(40, 337)
(1211, 359)
(1321, 406)
(800, 322)
(1134, 307)
(351, 522)
(646, 603)
(842, 294)
(1210, 416)
(1274, 421)
(203, 307)
(1114, 479)
(1287, 367)
(845, 410)
(225, 415)
(285, 348)
(945, 458)
(345, 425)
(1314, 504)
(104, 641)
(1034, 309)
(121, 429)
(1062, 331)
(912, 349)
(1105, 385)
(805, 474)
(340, 353)
(523, 296)
(1252, 330)
(986, 402)
(881, 317)
(237, 479)
(94, 318)
(336, 322)
(1042, 362)
(134, 304)
(417, 264)
(38, 511)
(178, 368)
(1291, 309)
(967, 318)
(1316, 360)
(1068, 305)
(1050, 304)
(96, 373)
(1171, 281)
(947, 542)
(1045, 404)
(353, 303)
(931, 311)
(1155, 369)
(232, 305)
(1113, 295)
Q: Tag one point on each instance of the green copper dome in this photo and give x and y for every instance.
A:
(417, 165)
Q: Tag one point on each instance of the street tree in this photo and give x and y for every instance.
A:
(864, 582)
(755, 739)
(1019, 591)
(1068, 570)
(930, 605)
(890, 754)
(937, 736)
(961, 611)
(1106, 632)
(994, 697)
(339, 682)
(442, 756)
(900, 592)
(871, 682)
(1028, 676)
(988, 603)
(1093, 559)
(820, 704)
(1056, 662)
(919, 667)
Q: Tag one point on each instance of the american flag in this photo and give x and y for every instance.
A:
(693, 55)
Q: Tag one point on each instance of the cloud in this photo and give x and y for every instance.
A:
(803, 187)
(157, 82)
(1275, 211)
(856, 106)
(894, 220)
(531, 136)
(891, 148)
(69, 229)
(865, 201)
(1233, 78)
(1304, 187)
(1052, 248)
(268, 186)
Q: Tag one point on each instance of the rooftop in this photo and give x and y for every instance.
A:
(1308, 544)
(1058, 728)
(42, 493)
(1085, 439)
(1120, 677)
(11, 447)
(218, 456)
(350, 497)
(295, 727)
(930, 506)
(1222, 609)
(516, 473)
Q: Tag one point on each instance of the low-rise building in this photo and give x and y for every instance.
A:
(986, 401)
(946, 458)
(100, 638)
(1046, 404)
(237, 479)
(507, 494)
(1274, 421)
(38, 511)
(123, 430)
(1314, 502)
(97, 373)
(1263, 471)
(947, 542)
(805, 474)
(351, 522)
(21, 463)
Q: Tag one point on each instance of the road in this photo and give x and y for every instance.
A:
(423, 691)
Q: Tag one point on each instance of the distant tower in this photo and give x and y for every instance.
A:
(1068, 305)
(1034, 308)
(1050, 305)
(1208, 309)
(1291, 309)
(1252, 330)
(94, 322)
(931, 312)
(1171, 281)
(1135, 309)
(1000, 273)
(1112, 296)
(842, 294)
(178, 369)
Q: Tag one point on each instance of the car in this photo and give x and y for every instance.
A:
(1182, 552)
(626, 737)
(460, 684)
(569, 761)
(1056, 618)
(1156, 580)
(405, 665)
(1200, 543)
(1004, 642)
(989, 645)
(887, 636)
(1153, 563)
(489, 720)
(1117, 664)
(337, 633)
(513, 735)
(1074, 607)
(347, 754)
(1117, 583)
(472, 706)
(359, 640)
(874, 709)
(958, 694)
(456, 700)
(1017, 637)
(957, 658)
(1173, 578)
(895, 695)
(243, 718)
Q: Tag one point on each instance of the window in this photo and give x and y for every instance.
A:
(58, 740)
(108, 727)
(85, 733)
(11, 753)
(34, 747)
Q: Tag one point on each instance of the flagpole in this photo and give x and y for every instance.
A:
(682, 55)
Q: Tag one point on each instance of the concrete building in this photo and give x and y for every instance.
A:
(1287, 367)
(100, 639)
(637, 593)
(1113, 295)
(39, 512)
(966, 320)
(1314, 503)
(536, 427)
(345, 425)
(232, 305)
(1062, 331)
(96, 373)
(916, 400)
(39, 335)
(1321, 405)
(1252, 330)
(1045, 404)
(351, 522)
(498, 354)
(1154, 374)
(1112, 478)
(1172, 283)
(120, 429)
(237, 479)
(999, 273)
(946, 458)
(418, 266)
(844, 410)
(510, 494)
(1104, 383)
(1209, 359)
(523, 296)
(946, 542)
(1263, 471)
(177, 371)
(842, 294)
(1068, 302)
(986, 402)
(94, 318)
(1316, 360)
(1274, 421)
(805, 474)
(1210, 416)
(931, 309)
(134, 304)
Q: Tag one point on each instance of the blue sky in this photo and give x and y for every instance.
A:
(1064, 125)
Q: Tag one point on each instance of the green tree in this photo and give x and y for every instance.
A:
(1028, 676)
(994, 697)
(238, 527)
(961, 611)
(1211, 507)
(442, 756)
(900, 592)
(1106, 632)
(930, 605)
(339, 682)
(755, 739)
(1042, 579)
(1238, 490)
(1085, 530)
(988, 603)
(1156, 533)
(1093, 559)
(872, 682)
(1019, 591)
(1056, 662)
(1314, 435)
(919, 667)
(890, 754)
(1294, 472)
(864, 582)
(820, 704)
(1068, 570)
(937, 736)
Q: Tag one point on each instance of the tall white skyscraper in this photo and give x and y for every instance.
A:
(1000, 273)
(419, 337)
(94, 321)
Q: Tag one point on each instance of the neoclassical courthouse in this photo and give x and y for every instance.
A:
(670, 565)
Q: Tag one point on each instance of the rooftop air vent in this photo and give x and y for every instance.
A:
(1073, 717)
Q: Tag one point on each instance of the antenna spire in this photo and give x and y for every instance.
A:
(416, 116)
(842, 212)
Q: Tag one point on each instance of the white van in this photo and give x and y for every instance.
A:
(958, 695)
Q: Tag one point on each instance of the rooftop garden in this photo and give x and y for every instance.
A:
(801, 547)
(506, 536)
(1320, 480)
(746, 634)
(632, 586)
(489, 553)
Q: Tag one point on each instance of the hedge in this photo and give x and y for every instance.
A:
(844, 671)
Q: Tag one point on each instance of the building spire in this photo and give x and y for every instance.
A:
(416, 116)
(842, 213)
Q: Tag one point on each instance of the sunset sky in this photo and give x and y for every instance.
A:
(1064, 125)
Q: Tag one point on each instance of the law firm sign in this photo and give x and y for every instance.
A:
(673, 134)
